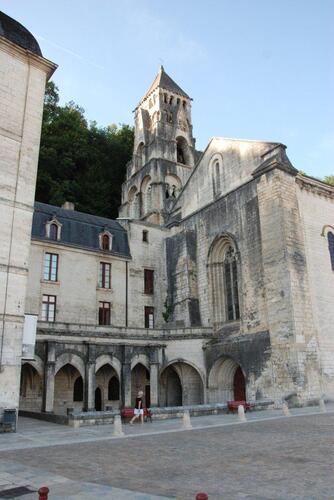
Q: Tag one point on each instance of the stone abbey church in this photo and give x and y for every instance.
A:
(215, 283)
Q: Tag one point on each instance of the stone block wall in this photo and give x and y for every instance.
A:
(316, 203)
(77, 288)
(22, 82)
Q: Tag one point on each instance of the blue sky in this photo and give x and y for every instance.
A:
(260, 69)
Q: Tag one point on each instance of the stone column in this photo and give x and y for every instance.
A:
(90, 384)
(49, 378)
(154, 383)
(126, 384)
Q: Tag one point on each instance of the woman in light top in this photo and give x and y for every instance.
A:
(138, 410)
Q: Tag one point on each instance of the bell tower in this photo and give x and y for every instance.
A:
(164, 151)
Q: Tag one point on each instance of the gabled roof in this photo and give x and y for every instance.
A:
(79, 229)
(164, 81)
(16, 33)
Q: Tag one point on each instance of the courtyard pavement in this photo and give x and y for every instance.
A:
(268, 457)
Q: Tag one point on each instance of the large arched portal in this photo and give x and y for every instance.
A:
(226, 381)
(68, 390)
(108, 382)
(31, 389)
(180, 385)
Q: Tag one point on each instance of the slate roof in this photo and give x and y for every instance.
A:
(79, 229)
(16, 33)
(164, 81)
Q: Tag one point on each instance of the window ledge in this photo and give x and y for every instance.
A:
(50, 282)
(102, 289)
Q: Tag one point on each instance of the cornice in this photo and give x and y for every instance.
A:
(27, 56)
(315, 186)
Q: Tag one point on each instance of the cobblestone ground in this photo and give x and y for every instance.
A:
(284, 458)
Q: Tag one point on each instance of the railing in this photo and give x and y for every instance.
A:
(45, 329)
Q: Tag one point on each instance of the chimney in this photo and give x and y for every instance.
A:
(68, 205)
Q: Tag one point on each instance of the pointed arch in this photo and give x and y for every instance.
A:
(226, 381)
(140, 359)
(68, 358)
(108, 359)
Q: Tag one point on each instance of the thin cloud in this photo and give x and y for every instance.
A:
(68, 51)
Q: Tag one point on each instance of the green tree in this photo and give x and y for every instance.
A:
(81, 162)
(329, 179)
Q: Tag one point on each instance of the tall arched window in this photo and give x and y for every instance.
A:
(216, 173)
(140, 156)
(231, 284)
(132, 200)
(146, 189)
(223, 279)
(78, 390)
(330, 238)
(216, 179)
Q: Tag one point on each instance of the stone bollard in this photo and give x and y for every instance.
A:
(322, 406)
(186, 423)
(241, 414)
(286, 410)
(43, 493)
(202, 496)
(117, 427)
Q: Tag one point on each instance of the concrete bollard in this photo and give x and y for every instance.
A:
(186, 423)
(322, 406)
(118, 432)
(202, 496)
(286, 410)
(43, 493)
(241, 414)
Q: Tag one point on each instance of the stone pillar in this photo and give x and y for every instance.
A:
(90, 384)
(154, 383)
(49, 378)
(126, 384)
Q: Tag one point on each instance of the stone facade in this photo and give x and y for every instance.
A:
(23, 75)
(215, 283)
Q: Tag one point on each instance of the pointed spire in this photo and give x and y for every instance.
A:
(164, 81)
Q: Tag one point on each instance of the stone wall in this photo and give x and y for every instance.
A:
(316, 203)
(22, 82)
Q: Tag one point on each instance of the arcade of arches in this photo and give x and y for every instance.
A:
(177, 384)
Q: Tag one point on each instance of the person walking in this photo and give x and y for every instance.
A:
(139, 410)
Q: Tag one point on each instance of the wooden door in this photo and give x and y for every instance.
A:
(239, 386)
